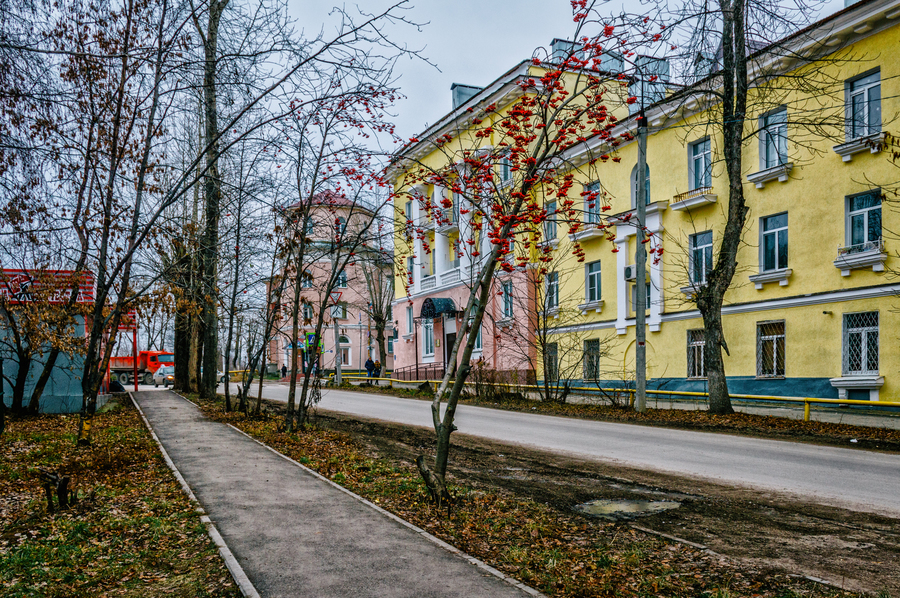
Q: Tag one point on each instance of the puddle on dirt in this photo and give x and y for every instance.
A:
(617, 510)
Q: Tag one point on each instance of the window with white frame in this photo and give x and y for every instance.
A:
(306, 280)
(507, 299)
(696, 357)
(700, 164)
(774, 242)
(478, 341)
(770, 349)
(593, 281)
(410, 321)
(308, 312)
(591, 359)
(504, 170)
(592, 203)
(339, 311)
(551, 362)
(860, 346)
(864, 222)
(310, 227)
(342, 280)
(390, 344)
(701, 256)
(409, 211)
(428, 337)
(550, 222)
(340, 226)
(773, 138)
(634, 186)
(864, 105)
(634, 297)
(345, 352)
(552, 284)
(410, 266)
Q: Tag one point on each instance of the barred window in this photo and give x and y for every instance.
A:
(551, 362)
(592, 359)
(696, 356)
(860, 346)
(770, 349)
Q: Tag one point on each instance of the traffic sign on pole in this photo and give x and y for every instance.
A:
(336, 296)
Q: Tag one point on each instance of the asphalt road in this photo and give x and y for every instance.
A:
(856, 479)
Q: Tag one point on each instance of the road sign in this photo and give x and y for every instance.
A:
(336, 296)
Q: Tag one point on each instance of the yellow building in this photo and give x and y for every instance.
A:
(812, 310)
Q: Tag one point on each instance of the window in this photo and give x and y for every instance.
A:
(696, 359)
(308, 311)
(860, 351)
(864, 106)
(552, 301)
(410, 267)
(591, 359)
(340, 225)
(504, 170)
(551, 362)
(339, 311)
(478, 341)
(342, 280)
(864, 221)
(310, 227)
(408, 208)
(550, 222)
(773, 138)
(390, 344)
(593, 282)
(634, 298)
(775, 242)
(344, 345)
(410, 322)
(701, 256)
(592, 203)
(770, 349)
(634, 186)
(306, 280)
(701, 164)
(428, 337)
(507, 299)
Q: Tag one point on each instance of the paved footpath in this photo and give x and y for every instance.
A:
(297, 535)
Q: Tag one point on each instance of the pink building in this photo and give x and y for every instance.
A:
(364, 286)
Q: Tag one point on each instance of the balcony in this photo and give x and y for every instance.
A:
(450, 276)
(862, 255)
(589, 230)
(449, 221)
(781, 173)
(781, 276)
(428, 282)
(874, 143)
(693, 199)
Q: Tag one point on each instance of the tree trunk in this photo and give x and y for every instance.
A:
(182, 350)
(212, 198)
(35, 401)
(18, 389)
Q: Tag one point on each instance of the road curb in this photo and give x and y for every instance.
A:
(237, 572)
(435, 540)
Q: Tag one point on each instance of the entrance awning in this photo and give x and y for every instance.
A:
(433, 308)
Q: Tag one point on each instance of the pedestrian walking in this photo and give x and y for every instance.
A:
(370, 367)
(377, 370)
(284, 370)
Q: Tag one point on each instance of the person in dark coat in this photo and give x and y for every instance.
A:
(377, 370)
(370, 367)
(284, 370)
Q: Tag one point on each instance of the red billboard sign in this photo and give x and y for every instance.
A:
(52, 286)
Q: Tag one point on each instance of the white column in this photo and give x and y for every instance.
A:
(441, 242)
(417, 247)
(657, 294)
(622, 299)
(465, 232)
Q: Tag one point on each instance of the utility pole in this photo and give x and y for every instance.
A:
(640, 261)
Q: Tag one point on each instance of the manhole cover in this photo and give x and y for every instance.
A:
(616, 510)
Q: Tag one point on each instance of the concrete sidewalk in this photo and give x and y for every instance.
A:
(296, 534)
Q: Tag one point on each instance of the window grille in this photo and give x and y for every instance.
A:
(860, 343)
(551, 362)
(592, 359)
(696, 356)
(770, 349)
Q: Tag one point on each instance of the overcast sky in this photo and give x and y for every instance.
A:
(470, 41)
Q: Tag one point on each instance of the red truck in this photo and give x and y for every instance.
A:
(122, 368)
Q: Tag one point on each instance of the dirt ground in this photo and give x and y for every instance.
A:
(853, 551)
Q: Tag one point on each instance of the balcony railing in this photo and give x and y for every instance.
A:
(449, 276)
(692, 193)
(429, 282)
(873, 246)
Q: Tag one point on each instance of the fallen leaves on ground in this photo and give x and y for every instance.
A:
(132, 533)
